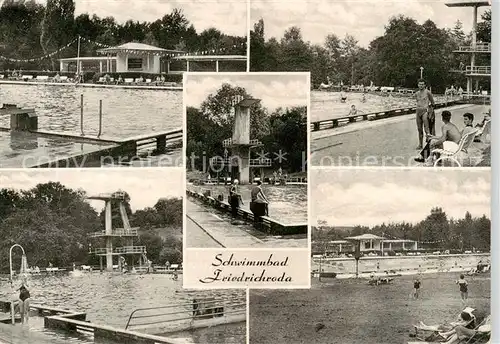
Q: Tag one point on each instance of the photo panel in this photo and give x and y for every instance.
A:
(398, 255)
(101, 251)
(399, 84)
(102, 87)
(246, 175)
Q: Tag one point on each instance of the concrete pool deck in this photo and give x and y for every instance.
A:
(385, 142)
(23, 149)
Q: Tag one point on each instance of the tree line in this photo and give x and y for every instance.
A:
(436, 232)
(52, 223)
(281, 129)
(29, 29)
(393, 59)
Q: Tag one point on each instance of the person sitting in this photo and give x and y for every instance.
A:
(466, 332)
(448, 140)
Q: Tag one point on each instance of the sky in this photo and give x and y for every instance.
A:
(351, 197)
(274, 90)
(229, 16)
(145, 186)
(363, 19)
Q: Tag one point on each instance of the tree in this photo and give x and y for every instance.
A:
(57, 25)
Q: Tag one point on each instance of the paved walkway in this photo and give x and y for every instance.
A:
(386, 142)
(21, 334)
(205, 229)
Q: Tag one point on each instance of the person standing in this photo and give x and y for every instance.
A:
(416, 288)
(424, 112)
(234, 198)
(24, 301)
(464, 288)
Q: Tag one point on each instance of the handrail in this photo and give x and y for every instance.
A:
(211, 302)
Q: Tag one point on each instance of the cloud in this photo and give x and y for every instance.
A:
(145, 186)
(364, 19)
(230, 17)
(275, 90)
(363, 198)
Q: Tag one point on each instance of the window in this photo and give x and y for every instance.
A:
(134, 64)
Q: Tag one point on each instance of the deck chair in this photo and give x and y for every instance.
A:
(463, 145)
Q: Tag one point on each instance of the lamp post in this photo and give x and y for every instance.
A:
(421, 72)
(11, 275)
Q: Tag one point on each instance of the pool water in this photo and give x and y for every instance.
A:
(327, 105)
(109, 299)
(287, 204)
(126, 112)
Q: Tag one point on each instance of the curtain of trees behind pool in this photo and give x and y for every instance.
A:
(282, 129)
(53, 223)
(435, 231)
(393, 59)
(29, 29)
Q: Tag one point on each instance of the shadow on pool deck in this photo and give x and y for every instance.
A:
(387, 142)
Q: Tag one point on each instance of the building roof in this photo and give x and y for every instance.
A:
(211, 57)
(88, 58)
(365, 237)
(138, 48)
(399, 240)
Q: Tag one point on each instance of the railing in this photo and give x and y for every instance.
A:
(229, 142)
(485, 70)
(116, 232)
(479, 47)
(336, 122)
(121, 250)
(155, 143)
(211, 310)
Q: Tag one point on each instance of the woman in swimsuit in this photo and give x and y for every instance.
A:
(24, 303)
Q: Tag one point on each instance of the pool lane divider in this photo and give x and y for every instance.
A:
(270, 225)
(336, 122)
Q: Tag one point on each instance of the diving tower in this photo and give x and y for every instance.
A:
(127, 233)
(473, 72)
(240, 144)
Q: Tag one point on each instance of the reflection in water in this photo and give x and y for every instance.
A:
(20, 141)
(288, 204)
(126, 112)
(109, 299)
(327, 105)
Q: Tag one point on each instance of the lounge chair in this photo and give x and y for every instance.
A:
(463, 145)
(63, 79)
(435, 329)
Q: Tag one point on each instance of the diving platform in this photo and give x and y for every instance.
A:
(120, 232)
(477, 48)
(478, 71)
(252, 143)
(108, 197)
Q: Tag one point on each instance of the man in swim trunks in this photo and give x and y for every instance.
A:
(449, 138)
(424, 112)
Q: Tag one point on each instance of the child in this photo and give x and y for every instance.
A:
(464, 293)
